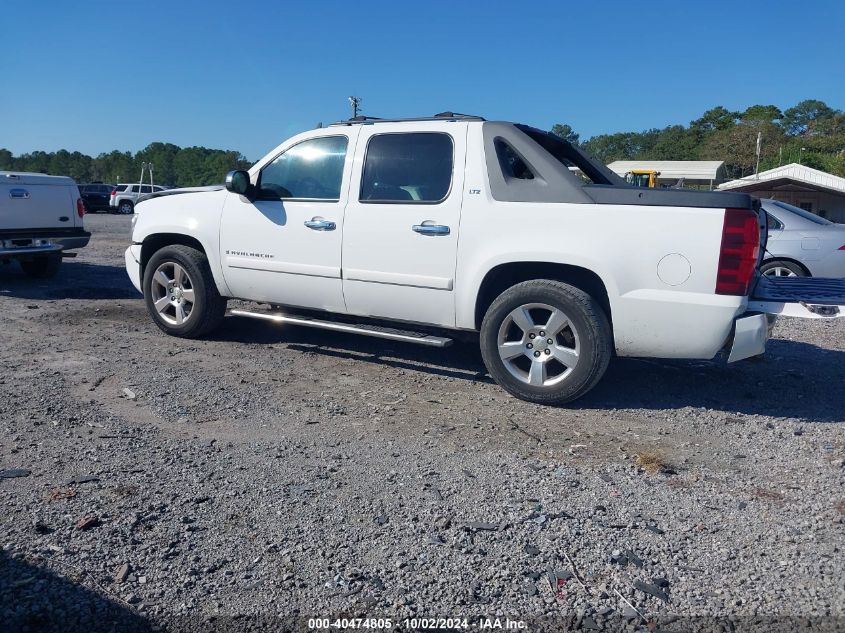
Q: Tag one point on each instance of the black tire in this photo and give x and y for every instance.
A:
(125, 207)
(588, 325)
(42, 267)
(208, 307)
(770, 268)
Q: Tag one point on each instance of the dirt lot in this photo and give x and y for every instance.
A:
(272, 472)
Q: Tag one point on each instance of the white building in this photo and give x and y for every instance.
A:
(692, 172)
(799, 185)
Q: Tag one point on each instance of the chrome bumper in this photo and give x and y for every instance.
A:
(751, 331)
(12, 252)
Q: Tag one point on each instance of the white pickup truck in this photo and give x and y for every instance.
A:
(453, 223)
(41, 219)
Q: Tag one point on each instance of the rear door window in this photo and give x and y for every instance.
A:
(413, 167)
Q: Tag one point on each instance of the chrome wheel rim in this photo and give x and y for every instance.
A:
(172, 292)
(780, 271)
(538, 344)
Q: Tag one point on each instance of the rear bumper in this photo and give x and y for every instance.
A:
(66, 239)
(26, 251)
(69, 243)
(751, 331)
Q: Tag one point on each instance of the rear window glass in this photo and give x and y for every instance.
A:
(121, 187)
(414, 167)
(812, 217)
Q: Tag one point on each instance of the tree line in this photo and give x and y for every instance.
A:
(811, 132)
(172, 165)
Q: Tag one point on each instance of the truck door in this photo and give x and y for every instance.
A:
(400, 237)
(284, 245)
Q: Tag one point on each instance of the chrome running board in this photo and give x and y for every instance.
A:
(417, 338)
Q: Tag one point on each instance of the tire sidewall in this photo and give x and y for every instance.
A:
(198, 281)
(589, 333)
(124, 208)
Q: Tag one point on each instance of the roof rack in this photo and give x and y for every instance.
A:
(441, 116)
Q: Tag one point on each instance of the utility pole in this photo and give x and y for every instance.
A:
(759, 146)
(355, 102)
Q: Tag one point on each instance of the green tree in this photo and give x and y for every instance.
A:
(805, 118)
(767, 113)
(565, 131)
(718, 118)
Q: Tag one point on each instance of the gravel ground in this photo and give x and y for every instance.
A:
(275, 472)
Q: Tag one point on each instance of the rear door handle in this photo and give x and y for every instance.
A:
(320, 224)
(22, 194)
(429, 228)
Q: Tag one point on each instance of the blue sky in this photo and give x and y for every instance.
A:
(96, 76)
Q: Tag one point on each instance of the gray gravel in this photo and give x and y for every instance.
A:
(272, 472)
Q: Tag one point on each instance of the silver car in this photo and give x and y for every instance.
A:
(802, 244)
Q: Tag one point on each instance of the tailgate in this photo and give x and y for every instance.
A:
(807, 297)
(35, 206)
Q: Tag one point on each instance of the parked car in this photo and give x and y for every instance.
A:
(125, 195)
(42, 218)
(802, 244)
(96, 196)
(457, 224)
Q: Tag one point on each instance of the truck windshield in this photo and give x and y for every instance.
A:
(572, 157)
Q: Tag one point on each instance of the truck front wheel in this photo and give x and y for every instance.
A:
(180, 293)
(545, 341)
(42, 267)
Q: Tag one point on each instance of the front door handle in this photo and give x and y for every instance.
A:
(320, 224)
(429, 228)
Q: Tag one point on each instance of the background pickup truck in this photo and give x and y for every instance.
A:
(41, 219)
(454, 223)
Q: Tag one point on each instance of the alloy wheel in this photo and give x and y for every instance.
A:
(172, 293)
(538, 344)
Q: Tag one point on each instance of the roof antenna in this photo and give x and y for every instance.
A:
(355, 102)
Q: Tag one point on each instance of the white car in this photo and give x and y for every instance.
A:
(125, 196)
(454, 223)
(42, 218)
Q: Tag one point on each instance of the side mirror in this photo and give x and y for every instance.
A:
(237, 181)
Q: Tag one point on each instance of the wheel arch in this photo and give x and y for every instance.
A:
(156, 241)
(503, 276)
(785, 258)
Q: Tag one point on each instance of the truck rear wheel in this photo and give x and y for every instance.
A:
(546, 342)
(180, 293)
(42, 267)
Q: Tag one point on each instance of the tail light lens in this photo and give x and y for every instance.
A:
(842, 248)
(740, 248)
(114, 192)
(80, 207)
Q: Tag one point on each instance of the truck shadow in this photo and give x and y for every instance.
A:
(793, 379)
(76, 280)
(33, 599)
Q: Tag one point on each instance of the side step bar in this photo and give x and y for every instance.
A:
(367, 330)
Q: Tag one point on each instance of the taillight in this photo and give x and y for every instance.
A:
(842, 248)
(114, 193)
(80, 207)
(740, 248)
